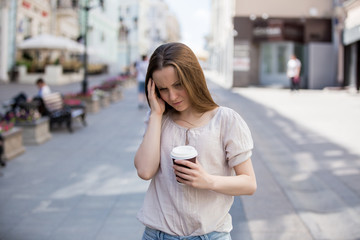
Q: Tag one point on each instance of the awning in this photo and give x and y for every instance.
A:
(51, 42)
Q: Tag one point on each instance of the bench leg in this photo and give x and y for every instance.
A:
(83, 119)
(69, 125)
(2, 163)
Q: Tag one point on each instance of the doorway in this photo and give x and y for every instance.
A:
(273, 63)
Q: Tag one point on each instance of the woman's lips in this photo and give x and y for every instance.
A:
(177, 103)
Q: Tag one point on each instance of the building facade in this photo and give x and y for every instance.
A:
(351, 41)
(128, 46)
(118, 32)
(144, 25)
(65, 19)
(33, 18)
(7, 38)
(266, 33)
(101, 20)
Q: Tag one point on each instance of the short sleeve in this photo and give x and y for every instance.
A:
(237, 139)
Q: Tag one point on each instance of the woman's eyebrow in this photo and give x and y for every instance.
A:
(159, 87)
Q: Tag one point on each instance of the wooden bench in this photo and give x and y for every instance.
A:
(53, 106)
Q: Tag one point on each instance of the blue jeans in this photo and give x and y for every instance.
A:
(152, 234)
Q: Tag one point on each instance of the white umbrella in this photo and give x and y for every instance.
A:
(51, 42)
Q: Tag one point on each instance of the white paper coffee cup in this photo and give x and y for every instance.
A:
(184, 152)
(188, 153)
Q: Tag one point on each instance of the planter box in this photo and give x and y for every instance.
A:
(36, 132)
(92, 103)
(105, 100)
(13, 143)
(115, 94)
(53, 75)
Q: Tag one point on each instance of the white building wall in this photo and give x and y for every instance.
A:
(3, 40)
(321, 57)
(102, 34)
(128, 45)
(353, 15)
(7, 38)
(65, 19)
(33, 18)
(222, 42)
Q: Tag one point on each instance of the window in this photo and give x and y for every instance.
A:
(267, 59)
(27, 26)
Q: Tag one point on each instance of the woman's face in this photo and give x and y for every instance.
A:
(170, 88)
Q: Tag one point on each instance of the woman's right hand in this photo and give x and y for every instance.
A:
(157, 105)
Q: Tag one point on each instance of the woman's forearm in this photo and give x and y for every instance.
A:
(147, 157)
(233, 185)
(244, 183)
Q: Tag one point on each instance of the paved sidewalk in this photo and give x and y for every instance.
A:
(78, 186)
(84, 186)
(334, 114)
(307, 179)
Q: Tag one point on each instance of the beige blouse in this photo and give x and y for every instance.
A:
(182, 210)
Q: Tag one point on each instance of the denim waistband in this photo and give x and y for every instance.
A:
(152, 234)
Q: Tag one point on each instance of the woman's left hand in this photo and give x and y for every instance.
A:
(194, 175)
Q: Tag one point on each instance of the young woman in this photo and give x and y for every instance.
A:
(184, 113)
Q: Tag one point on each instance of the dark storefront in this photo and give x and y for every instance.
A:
(351, 39)
(263, 47)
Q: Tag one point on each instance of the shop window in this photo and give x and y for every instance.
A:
(267, 59)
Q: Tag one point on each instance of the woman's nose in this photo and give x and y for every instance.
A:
(173, 95)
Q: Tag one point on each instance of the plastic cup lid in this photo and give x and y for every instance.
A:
(183, 152)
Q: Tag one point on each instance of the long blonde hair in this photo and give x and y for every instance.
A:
(188, 70)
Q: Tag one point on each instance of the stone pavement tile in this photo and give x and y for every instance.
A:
(337, 185)
(268, 211)
(105, 203)
(280, 235)
(332, 225)
(240, 222)
(80, 225)
(122, 222)
(37, 226)
(22, 213)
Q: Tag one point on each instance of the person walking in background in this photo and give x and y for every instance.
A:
(293, 72)
(141, 68)
(44, 89)
(190, 199)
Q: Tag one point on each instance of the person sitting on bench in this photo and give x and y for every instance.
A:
(44, 89)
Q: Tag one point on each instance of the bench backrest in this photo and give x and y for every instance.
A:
(53, 101)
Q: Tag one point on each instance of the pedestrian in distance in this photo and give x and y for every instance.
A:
(184, 198)
(293, 72)
(141, 68)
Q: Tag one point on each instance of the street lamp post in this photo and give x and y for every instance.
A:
(85, 80)
(87, 8)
